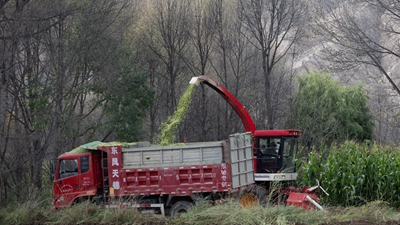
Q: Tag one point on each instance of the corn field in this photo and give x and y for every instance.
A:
(355, 174)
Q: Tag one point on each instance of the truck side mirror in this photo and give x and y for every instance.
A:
(52, 166)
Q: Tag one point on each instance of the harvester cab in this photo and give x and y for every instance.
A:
(274, 154)
(270, 153)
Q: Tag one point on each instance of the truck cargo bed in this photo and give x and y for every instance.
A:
(181, 170)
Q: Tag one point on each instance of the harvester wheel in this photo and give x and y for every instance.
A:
(179, 208)
(254, 197)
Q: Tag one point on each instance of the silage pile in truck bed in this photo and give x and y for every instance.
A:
(93, 146)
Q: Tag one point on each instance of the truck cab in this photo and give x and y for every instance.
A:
(77, 176)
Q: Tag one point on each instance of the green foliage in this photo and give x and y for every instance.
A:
(29, 194)
(29, 209)
(168, 128)
(354, 174)
(27, 213)
(38, 101)
(127, 99)
(328, 112)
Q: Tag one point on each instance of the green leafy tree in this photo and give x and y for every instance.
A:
(127, 97)
(328, 112)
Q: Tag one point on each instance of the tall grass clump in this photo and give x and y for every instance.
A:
(83, 213)
(355, 174)
(89, 213)
(29, 206)
(25, 213)
(375, 212)
(231, 212)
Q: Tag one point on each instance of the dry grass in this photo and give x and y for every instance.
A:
(376, 212)
(203, 213)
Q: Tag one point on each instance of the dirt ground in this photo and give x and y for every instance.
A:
(393, 222)
(397, 222)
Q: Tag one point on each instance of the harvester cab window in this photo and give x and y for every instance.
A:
(289, 153)
(270, 146)
(268, 156)
(277, 154)
(68, 168)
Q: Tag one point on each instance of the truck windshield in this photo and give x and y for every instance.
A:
(68, 167)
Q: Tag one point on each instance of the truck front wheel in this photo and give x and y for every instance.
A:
(179, 208)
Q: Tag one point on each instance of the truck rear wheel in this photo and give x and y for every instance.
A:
(254, 197)
(179, 208)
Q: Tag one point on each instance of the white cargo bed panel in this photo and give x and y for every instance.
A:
(163, 156)
(241, 159)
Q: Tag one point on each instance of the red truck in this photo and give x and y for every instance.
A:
(163, 179)
(167, 179)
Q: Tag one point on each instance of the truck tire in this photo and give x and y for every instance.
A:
(256, 196)
(179, 208)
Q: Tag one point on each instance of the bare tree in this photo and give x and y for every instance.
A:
(360, 40)
(222, 49)
(168, 36)
(151, 63)
(273, 27)
(202, 35)
(234, 63)
(11, 17)
(229, 62)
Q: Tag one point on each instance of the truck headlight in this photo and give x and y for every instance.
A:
(279, 177)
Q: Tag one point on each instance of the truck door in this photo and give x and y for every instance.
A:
(67, 182)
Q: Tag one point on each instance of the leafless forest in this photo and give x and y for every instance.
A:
(62, 61)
